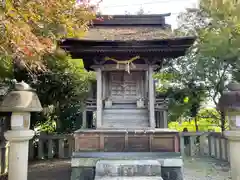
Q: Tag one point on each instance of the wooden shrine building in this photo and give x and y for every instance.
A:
(125, 51)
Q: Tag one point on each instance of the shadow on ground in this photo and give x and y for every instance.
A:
(50, 170)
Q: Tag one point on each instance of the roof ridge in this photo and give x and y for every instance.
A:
(132, 20)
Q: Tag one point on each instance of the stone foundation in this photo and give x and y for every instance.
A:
(155, 166)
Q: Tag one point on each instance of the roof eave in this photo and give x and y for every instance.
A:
(193, 38)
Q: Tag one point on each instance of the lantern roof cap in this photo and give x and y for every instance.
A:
(231, 98)
(21, 99)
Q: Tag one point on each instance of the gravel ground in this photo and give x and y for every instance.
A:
(50, 170)
(205, 169)
(194, 169)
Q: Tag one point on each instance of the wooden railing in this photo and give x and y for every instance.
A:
(161, 103)
(91, 104)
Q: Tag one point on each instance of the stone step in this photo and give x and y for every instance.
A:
(124, 113)
(125, 126)
(126, 121)
(128, 168)
(130, 178)
(123, 106)
(120, 110)
(124, 117)
(119, 124)
(121, 113)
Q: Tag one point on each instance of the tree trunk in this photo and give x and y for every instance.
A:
(58, 120)
(196, 125)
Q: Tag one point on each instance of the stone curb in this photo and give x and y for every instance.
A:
(91, 162)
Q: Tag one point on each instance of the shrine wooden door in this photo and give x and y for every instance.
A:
(125, 86)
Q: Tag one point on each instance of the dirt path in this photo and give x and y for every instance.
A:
(50, 170)
(205, 169)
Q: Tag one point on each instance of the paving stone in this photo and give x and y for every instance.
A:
(83, 173)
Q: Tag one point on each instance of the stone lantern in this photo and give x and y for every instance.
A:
(21, 102)
(230, 104)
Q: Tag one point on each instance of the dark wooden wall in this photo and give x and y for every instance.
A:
(127, 142)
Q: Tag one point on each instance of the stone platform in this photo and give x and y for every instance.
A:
(126, 140)
(126, 166)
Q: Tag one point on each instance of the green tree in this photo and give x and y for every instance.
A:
(208, 119)
(30, 29)
(140, 11)
(61, 91)
(218, 46)
(192, 21)
(214, 59)
(223, 36)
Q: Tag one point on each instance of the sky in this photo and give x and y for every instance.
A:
(111, 7)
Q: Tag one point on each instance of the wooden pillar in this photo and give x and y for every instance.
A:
(151, 97)
(157, 117)
(165, 119)
(146, 84)
(99, 98)
(161, 119)
(84, 119)
(104, 85)
(90, 119)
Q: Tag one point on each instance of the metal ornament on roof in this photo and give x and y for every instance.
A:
(128, 63)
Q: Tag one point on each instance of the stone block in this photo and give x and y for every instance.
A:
(128, 168)
(172, 173)
(84, 162)
(172, 169)
(83, 173)
(168, 166)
